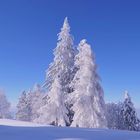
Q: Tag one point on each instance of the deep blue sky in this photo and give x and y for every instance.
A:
(28, 34)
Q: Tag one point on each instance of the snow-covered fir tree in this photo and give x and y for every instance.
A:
(34, 98)
(63, 60)
(23, 108)
(130, 119)
(4, 106)
(54, 112)
(62, 64)
(87, 98)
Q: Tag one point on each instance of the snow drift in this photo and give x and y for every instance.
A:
(28, 131)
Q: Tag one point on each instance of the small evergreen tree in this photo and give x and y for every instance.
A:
(23, 108)
(130, 120)
(34, 98)
(4, 106)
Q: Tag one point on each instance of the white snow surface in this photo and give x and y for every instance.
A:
(8, 122)
(17, 130)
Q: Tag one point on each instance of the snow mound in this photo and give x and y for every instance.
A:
(7, 122)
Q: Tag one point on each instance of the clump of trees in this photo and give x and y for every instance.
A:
(122, 115)
(72, 94)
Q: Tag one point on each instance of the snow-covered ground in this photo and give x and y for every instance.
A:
(7, 122)
(17, 130)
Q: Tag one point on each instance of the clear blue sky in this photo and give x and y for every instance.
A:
(28, 34)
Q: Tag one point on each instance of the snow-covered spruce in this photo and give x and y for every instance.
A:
(29, 103)
(34, 98)
(23, 108)
(87, 98)
(62, 65)
(4, 106)
(130, 119)
(54, 112)
(63, 60)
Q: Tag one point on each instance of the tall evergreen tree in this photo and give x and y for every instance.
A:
(62, 65)
(87, 98)
(130, 120)
(63, 60)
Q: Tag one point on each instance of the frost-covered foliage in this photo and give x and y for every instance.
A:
(113, 115)
(29, 103)
(4, 106)
(54, 112)
(63, 60)
(130, 119)
(122, 115)
(62, 65)
(76, 99)
(87, 98)
(23, 108)
(72, 94)
(35, 101)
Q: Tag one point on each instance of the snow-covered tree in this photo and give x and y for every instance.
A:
(34, 99)
(23, 108)
(87, 98)
(54, 112)
(4, 106)
(130, 120)
(62, 65)
(63, 60)
(113, 115)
